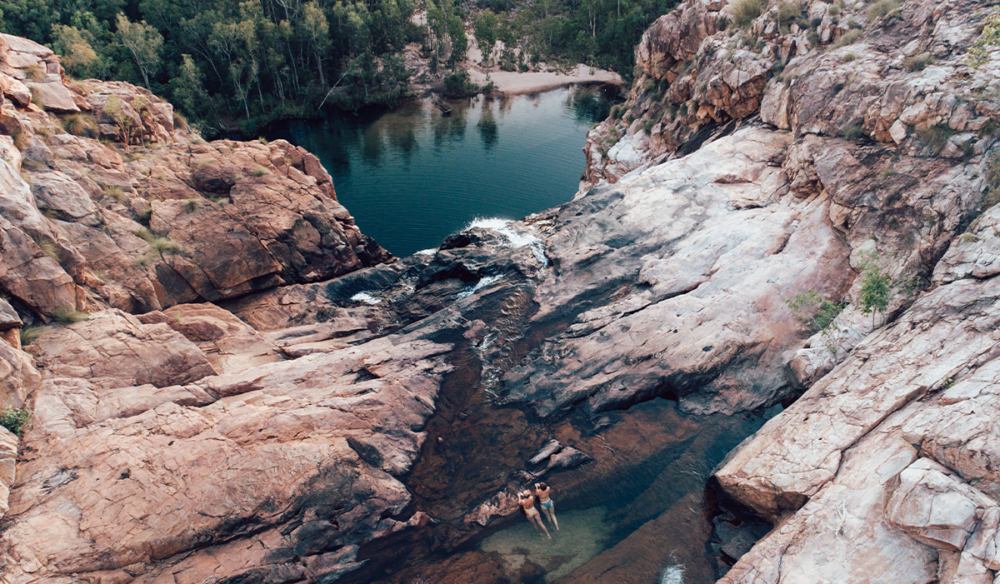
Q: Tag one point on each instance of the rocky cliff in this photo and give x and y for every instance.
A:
(880, 471)
(230, 383)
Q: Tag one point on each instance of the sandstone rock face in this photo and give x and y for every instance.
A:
(158, 230)
(251, 398)
(695, 78)
(254, 469)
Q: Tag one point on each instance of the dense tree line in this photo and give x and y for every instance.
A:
(230, 62)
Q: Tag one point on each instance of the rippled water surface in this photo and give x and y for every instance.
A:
(413, 176)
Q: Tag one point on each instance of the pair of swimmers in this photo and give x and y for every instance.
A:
(543, 493)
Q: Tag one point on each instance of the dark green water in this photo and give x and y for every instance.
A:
(412, 176)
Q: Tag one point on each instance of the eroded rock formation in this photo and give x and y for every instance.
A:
(229, 381)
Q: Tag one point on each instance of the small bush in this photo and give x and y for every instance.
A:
(936, 137)
(17, 420)
(814, 310)
(262, 140)
(882, 8)
(834, 9)
(616, 112)
(260, 171)
(855, 132)
(191, 205)
(919, 62)
(80, 125)
(848, 38)
(747, 11)
(848, 57)
(36, 97)
(787, 13)
(459, 84)
(876, 286)
(647, 127)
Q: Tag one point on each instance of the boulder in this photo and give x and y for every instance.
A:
(53, 97)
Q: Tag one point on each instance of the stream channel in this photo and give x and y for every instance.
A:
(639, 512)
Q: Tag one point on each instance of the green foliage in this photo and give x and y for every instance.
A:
(855, 132)
(788, 13)
(936, 137)
(486, 28)
(848, 57)
(876, 286)
(919, 62)
(988, 41)
(647, 127)
(458, 84)
(48, 247)
(80, 125)
(882, 8)
(814, 310)
(163, 245)
(848, 38)
(260, 171)
(70, 316)
(77, 50)
(17, 420)
(747, 11)
(30, 334)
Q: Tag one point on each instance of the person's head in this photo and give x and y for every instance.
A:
(541, 486)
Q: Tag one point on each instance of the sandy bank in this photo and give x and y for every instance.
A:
(513, 83)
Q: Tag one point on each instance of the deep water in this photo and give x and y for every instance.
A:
(413, 176)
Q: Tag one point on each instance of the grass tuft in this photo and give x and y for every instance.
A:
(882, 8)
(260, 171)
(848, 38)
(80, 125)
(163, 245)
(70, 316)
(747, 11)
(919, 62)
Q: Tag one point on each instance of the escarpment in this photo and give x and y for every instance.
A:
(793, 212)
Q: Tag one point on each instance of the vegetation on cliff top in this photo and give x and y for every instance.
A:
(229, 65)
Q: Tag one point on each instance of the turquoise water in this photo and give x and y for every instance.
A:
(413, 176)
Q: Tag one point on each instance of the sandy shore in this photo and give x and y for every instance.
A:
(513, 83)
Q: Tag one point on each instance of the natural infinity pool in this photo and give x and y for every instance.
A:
(413, 176)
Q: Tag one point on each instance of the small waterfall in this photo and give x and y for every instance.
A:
(482, 283)
(366, 297)
(672, 575)
(514, 238)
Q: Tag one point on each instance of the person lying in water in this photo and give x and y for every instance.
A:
(527, 502)
(544, 494)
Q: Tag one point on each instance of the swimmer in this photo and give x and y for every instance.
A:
(544, 494)
(527, 502)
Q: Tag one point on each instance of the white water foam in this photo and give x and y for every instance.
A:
(366, 297)
(514, 239)
(673, 575)
(428, 252)
(482, 283)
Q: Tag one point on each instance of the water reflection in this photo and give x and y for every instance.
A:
(410, 177)
(488, 126)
